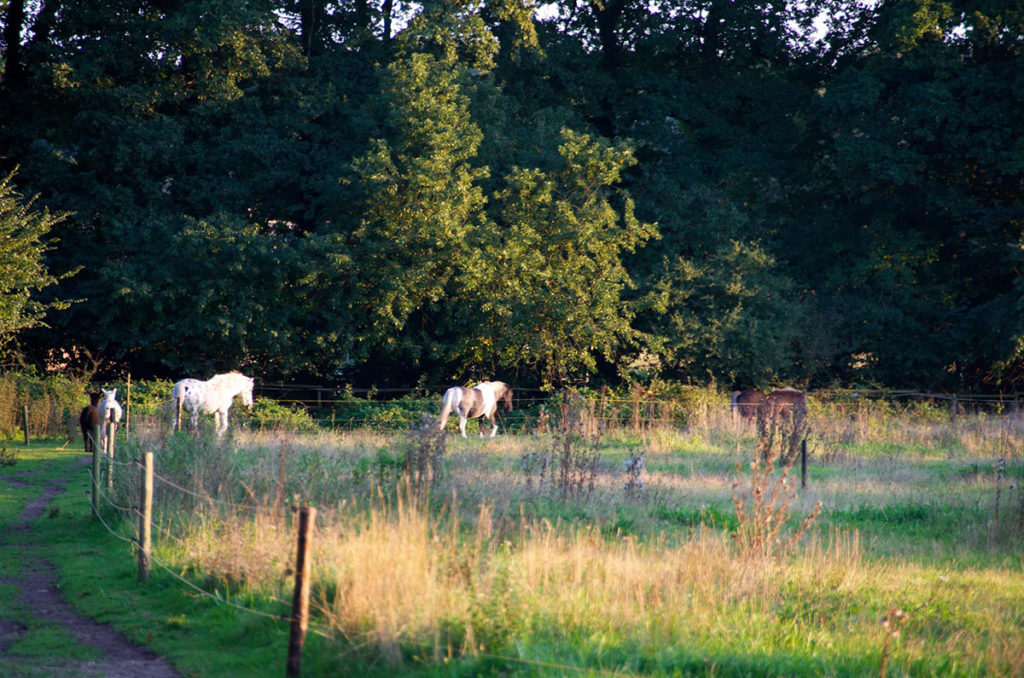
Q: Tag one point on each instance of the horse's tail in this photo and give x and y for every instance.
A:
(178, 393)
(449, 404)
(735, 401)
(179, 390)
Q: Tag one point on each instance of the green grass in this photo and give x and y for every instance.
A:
(98, 576)
(909, 528)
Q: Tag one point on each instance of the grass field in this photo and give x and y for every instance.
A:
(543, 555)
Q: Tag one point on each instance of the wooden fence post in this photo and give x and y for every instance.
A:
(803, 463)
(300, 602)
(146, 516)
(128, 407)
(25, 410)
(95, 433)
(111, 431)
(177, 414)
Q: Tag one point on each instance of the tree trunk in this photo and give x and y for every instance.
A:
(14, 75)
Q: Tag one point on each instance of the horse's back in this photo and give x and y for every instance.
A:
(185, 386)
(89, 417)
(787, 396)
(746, 403)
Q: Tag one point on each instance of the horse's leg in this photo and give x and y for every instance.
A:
(494, 424)
(224, 422)
(462, 424)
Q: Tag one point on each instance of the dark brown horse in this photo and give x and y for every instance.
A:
(89, 418)
(784, 399)
(746, 404)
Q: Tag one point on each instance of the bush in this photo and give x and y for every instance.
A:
(54, 403)
(269, 414)
(398, 414)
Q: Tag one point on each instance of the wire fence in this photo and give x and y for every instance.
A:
(340, 408)
(118, 516)
(118, 519)
(177, 501)
(311, 407)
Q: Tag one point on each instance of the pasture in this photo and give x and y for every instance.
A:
(559, 553)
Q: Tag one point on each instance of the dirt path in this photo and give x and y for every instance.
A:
(37, 591)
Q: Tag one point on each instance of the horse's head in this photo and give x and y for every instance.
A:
(109, 395)
(247, 393)
(505, 396)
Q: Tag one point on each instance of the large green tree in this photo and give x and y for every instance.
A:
(24, 239)
(552, 287)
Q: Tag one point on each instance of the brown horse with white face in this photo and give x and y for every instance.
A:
(480, 401)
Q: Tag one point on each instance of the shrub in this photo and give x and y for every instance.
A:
(54, 403)
(269, 414)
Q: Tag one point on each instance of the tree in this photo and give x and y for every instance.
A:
(731, 317)
(551, 283)
(421, 205)
(23, 243)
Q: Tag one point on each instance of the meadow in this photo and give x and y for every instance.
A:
(590, 549)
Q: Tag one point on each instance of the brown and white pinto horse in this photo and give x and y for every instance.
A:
(480, 401)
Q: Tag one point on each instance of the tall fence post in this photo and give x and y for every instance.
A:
(146, 517)
(803, 463)
(95, 433)
(128, 407)
(25, 411)
(300, 602)
(177, 414)
(109, 451)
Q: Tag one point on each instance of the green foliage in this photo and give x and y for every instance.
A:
(553, 279)
(150, 397)
(421, 199)
(456, 189)
(733, 316)
(269, 414)
(24, 230)
(391, 415)
(54, 403)
(7, 457)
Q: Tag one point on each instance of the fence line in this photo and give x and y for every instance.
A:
(214, 596)
(208, 498)
(218, 598)
(223, 599)
(99, 515)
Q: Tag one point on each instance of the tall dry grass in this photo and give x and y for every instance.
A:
(480, 563)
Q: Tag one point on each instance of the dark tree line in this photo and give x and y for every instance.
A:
(735, 191)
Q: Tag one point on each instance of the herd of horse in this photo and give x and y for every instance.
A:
(215, 396)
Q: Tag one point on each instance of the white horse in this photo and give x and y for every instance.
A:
(212, 397)
(479, 401)
(109, 410)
